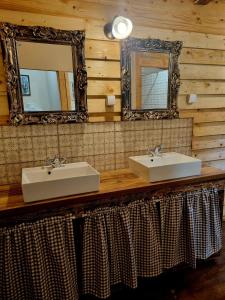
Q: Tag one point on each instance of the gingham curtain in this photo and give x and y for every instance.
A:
(108, 254)
(121, 243)
(37, 261)
(203, 208)
(113, 245)
(190, 226)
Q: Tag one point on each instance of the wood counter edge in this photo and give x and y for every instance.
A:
(113, 183)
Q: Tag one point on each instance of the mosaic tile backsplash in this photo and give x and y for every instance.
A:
(106, 146)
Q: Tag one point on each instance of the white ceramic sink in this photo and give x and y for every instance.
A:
(42, 183)
(170, 165)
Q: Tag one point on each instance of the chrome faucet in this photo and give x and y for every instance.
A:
(156, 151)
(56, 162)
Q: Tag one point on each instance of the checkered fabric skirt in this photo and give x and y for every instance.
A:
(190, 226)
(122, 243)
(112, 245)
(37, 261)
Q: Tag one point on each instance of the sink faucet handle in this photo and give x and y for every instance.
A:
(151, 151)
(156, 151)
(158, 148)
(49, 161)
(62, 160)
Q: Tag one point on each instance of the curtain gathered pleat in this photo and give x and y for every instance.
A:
(176, 232)
(146, 241)
(203, 209)
(108, 246)
(108, 254)
(190, 226)
(37, 260)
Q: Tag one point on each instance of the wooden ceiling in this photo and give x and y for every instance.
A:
(202, 2)
(181, 15)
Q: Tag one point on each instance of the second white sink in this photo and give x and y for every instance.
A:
(42, 183)
(170, 165)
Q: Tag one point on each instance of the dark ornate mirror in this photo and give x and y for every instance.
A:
(150, 79)
(45, 73)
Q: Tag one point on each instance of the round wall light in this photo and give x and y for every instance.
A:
(120, 28)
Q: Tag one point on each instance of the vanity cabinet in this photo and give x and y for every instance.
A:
(129, 229)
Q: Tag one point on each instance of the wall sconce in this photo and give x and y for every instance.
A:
(120, 28)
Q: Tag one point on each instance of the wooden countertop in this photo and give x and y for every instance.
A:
(113, 183)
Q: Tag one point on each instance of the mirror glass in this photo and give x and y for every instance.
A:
(46, 76)
(149, 80)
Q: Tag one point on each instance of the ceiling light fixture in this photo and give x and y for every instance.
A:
(120, 28)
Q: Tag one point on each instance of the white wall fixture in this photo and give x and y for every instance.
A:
(110, 100)
(192, 98)
(120, 28)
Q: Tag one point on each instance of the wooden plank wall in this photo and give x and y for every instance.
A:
(202, 65)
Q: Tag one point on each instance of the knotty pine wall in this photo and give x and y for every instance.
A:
(202, 63)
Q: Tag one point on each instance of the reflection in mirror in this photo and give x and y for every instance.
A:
(46, 76)
(149, 80)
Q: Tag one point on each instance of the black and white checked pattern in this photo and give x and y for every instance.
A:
(95, 261)
(118, 244)
(145, 229)
(204, 214)
(190, 226)
(176, 234)
(37, 261)
(108, 255)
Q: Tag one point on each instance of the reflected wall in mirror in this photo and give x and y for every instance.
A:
(50, 76)
(150, 78)
(46, 74)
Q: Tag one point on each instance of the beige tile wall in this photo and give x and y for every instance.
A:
(106, 146)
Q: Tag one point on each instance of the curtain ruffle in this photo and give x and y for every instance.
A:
(37, 261)
(114, 245)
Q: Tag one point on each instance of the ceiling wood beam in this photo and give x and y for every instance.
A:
(202, 2)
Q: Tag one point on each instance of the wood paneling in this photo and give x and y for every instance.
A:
(103, 69)
(203, 102)
(98, 105)
(95, 49)
(202, 61)
(4, 108)
(206, 87)
(213, 154)
(202, 2)
(206, 129)
(202, 56)
(189, 71)
(172, 14)
(103, 87)
(202, 116)
(208, 142)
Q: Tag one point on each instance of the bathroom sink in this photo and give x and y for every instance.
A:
(170, 165)
(40, 183)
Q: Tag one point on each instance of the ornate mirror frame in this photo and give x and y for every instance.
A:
(9, 34)
(147, 45)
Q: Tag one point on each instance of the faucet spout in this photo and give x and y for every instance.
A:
(156, 151)
(56, 162)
